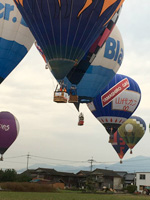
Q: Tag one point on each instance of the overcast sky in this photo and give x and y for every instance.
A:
(50, 130)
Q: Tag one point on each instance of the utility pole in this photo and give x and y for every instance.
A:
(91, 163)
(28, 157)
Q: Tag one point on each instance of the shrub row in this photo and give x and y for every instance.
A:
(27, 187)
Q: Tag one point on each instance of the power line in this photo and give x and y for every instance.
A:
(29, 156)
(74, 161)
(16, 157)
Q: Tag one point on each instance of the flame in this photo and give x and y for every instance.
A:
(59, 1)
(87, 4)
(106, 5)
(20, 1)
(121, 2)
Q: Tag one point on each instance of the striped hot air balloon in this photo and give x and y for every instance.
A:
(65, 30)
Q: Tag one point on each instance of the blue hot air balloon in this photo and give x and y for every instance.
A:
(116, 103)
(102, 69)
(15, 38)
(65, 30)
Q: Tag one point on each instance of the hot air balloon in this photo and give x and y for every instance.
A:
(15, 38)
(116, 103)
(9, 129)
(132, 130)
(99, 73)
(101, 70)
(119, 146)
(65, 30)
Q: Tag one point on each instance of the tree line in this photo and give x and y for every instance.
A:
(10, 175)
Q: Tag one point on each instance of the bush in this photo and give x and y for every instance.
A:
(27, 187)
(131, 188)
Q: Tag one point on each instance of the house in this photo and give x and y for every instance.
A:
(69, 179)
(106, 178)
(127, 178)
(100, 178)
(142, 180)
(81, 178)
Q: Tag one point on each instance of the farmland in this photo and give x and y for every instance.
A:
(68, 196)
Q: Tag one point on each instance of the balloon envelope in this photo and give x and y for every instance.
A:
(15, 38)
(119, 145)
(102, 69)
(65, 30)
(100, 72)
(116, 103)
(9, 129)
(132, 130)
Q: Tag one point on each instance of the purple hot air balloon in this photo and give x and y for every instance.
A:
(9, 129)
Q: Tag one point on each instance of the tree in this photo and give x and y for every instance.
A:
(8, 175)
(90, 184)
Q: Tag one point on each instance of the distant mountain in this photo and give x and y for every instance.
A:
(136, 164)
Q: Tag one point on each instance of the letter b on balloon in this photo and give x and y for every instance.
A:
(113, 51)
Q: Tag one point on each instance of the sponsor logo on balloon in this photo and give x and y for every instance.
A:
(126, 101)
(5, 13)
(113, 50)
(4, 127)
(114, 91)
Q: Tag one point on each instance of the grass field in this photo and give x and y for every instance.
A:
(67, 196)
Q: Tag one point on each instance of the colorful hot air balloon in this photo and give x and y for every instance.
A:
(65, 30)
(102, 69)
(100, 72)
(9, 129)
(116, 103)
(119, 146)
(15, 38)
(132, 130)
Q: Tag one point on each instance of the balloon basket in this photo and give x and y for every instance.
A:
(111, 139)
(130, 151)
(60, 97)
(80, 123)
(73, 99)
(120, 161)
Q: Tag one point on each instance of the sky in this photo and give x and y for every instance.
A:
(48, 131)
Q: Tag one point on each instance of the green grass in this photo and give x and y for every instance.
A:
(67, 196)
